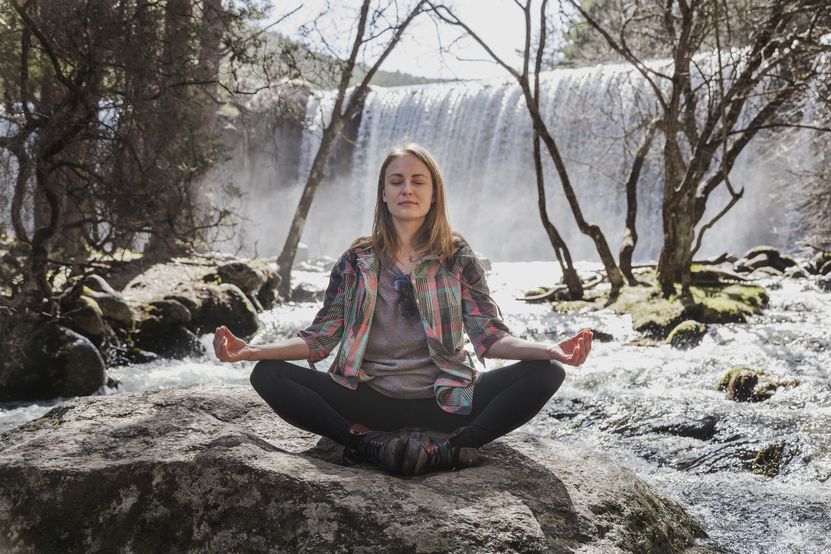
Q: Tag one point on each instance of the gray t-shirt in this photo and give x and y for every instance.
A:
(396, 352)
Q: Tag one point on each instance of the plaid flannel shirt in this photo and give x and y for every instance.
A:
(450, 297)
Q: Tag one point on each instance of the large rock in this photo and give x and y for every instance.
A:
(112, 306)
(687, 334)
(764, 257)
(212, 469)
(215, 305)
(58, 362)
(210, 305)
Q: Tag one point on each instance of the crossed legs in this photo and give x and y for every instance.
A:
(503, 400)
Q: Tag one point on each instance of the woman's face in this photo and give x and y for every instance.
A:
(408, 189)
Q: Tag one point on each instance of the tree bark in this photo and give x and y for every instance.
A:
(630, 234)
(340, 115)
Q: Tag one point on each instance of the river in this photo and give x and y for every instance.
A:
(629, 401)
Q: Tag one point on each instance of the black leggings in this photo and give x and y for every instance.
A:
(503, 399)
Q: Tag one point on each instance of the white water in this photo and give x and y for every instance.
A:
(480, 133)
(615, 401)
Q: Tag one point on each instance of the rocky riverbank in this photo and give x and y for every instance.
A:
(212, 469)
(136, 311)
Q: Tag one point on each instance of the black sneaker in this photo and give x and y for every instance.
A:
(380, 448)
(433, 451)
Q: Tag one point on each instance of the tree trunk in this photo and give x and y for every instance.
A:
(172, 103)
(339, 116)
(298, 222)
(593, 231)
(630, 234)
(679, 221)
(570, 276)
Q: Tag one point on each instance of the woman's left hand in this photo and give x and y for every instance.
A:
(573, 351)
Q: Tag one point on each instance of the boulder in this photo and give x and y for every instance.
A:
(768, 460)
(762, 250)
(267, 294)
(739, 383)
(211, 468)
(797, 272)
(97, 283)
(170, 310)
(247, 278)
(764, 257)
(112, 306)
(170, 341)
(304, 293)
(687, 334)
(86, 318)
(754, 385)
(703, 428)
(58, 362)
(162, 330)
(819, 261)
(215, 305)
(601, 336)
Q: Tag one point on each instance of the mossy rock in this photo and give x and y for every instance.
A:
(739, 383)
(687, 334)
(768, 460)
(86, 318)
(651, 313)
(745, 384)
(731, 304)
(769, 251)
(575, 306)
(57, 362)
(819, 261)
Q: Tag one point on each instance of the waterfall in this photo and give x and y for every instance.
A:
(481, 135)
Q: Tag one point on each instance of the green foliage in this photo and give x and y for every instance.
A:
(322, 71)
(580, 43)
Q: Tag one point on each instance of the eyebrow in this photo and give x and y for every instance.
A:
(401, 175)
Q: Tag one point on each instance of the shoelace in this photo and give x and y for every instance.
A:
(374, 448)
(440, 455)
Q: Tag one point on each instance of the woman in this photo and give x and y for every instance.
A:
(397, 303)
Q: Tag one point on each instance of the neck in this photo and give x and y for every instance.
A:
(406, 231)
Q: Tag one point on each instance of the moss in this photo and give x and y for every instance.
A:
(725, 381)
(656, 316)
(651, 313)
(535, 292)
(575, 306)
(753, 385)
(687, 334)
(768, 460)
(92, 304)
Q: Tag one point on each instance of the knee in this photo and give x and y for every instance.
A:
(263, 372)
(548, 375)
(558, 375)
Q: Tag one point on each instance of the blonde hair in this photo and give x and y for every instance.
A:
(435, 235)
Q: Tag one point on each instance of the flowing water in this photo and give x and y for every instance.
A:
(645, 406)
(653, 409)
(481, 135)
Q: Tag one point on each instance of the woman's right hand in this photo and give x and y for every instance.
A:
(229, 348)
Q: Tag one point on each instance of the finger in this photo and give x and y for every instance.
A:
(575, 355)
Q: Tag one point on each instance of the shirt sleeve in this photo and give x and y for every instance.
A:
(480, 314)
(326, 330)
